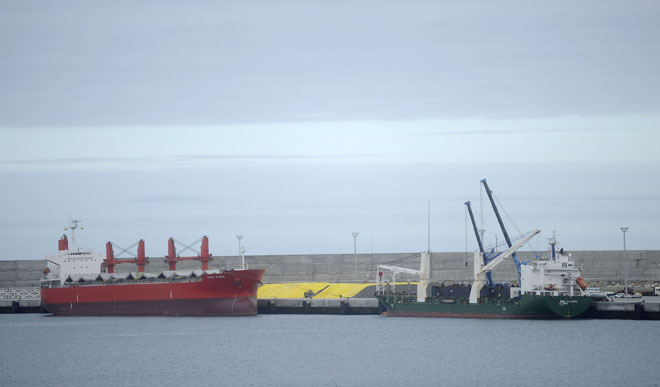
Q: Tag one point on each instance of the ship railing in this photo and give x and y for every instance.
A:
(449, 300)
(497, 301)
(546, 293)
(133, 282)
(400, 298)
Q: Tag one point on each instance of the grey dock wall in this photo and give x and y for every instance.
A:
(643, 265)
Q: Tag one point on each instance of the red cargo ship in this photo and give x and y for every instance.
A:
(73, 286)
(228, 293)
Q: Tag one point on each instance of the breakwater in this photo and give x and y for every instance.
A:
(599, 268)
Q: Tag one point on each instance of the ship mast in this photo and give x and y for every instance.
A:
(553, 243)
(73, 226)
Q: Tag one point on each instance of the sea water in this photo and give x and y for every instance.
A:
(320, 350)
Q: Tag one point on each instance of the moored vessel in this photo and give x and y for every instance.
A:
(550, 287)
(74, 285)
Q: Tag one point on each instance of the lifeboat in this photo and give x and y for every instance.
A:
(581, 283)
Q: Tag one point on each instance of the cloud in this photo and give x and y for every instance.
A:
(173, 160)
(171, 199)
(460, 132)
(258, 62)
(507, 131)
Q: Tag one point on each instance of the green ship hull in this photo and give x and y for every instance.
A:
(526, 307)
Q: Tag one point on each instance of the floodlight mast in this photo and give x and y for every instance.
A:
(355, 235)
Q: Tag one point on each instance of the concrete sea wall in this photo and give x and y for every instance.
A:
(598, 267)
(23, 273)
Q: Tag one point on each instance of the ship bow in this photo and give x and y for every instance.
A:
(568, 307)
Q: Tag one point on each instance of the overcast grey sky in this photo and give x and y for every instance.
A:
(297, 122)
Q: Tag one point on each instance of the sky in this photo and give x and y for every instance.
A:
(295, 123)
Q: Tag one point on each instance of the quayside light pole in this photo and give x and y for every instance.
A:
(499, 220)
(625, 261)
(240, 251)
(355, 235)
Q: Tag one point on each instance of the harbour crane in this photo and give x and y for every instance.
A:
(480, 271)
(486, 257)
(499, 220)
(424, 273)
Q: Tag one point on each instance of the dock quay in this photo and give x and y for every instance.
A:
(647, 308)
(347, 306)
(644, 308)
(20, 300)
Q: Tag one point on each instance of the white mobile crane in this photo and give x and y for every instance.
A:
(481, 270)
(424, 273)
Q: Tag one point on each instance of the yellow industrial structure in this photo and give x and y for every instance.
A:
(314, 290)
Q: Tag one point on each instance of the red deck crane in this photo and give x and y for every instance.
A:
(110, 261)
(204, 256)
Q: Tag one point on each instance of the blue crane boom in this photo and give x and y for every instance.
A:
(499, 220)
(481, 246)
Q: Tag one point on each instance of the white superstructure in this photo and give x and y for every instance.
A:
(555, 275)
(72, 261)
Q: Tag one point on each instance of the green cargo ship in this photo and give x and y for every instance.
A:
(527, 306)
(550, 288)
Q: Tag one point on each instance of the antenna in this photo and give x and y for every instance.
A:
(553, 242)
(429, 236)
(73, 226)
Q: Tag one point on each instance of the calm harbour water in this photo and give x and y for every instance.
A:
(292, 350)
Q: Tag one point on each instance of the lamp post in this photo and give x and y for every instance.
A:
(355, 235)
(625, 262)
(239, 237)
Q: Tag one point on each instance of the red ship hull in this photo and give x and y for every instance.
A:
(229, 293)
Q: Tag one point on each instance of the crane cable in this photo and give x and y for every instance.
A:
(466, 242)
(402, 259)
(510, 219)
